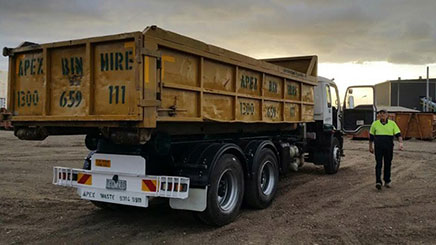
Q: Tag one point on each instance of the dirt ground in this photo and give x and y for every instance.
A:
(310, 207)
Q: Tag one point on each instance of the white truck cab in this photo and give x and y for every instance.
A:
(327, 106)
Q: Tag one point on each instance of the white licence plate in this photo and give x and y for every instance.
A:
(360, 122)
(124, 197)
(116, 185)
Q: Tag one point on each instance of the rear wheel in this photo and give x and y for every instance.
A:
(262, 186)
(334, 158)
(224, 197)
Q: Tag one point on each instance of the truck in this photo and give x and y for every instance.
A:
(167, 116)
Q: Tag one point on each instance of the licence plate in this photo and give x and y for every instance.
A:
(124, 198)
(360, 122)
(116, 185)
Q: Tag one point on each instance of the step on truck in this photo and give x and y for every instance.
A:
(167, 116)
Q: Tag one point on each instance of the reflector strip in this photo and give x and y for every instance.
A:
(84, 179)
(103, 163)
(177, 187)
(149, 185)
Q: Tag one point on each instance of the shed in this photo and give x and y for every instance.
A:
(405, 93)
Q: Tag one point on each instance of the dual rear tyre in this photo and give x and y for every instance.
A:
(262, 186)
(227, 188)
(225, 193)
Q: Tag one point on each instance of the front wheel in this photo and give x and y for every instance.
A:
(334, 158)
(224, 197)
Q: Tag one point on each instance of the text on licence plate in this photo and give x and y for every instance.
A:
(116, 185)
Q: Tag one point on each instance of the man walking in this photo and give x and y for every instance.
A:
(382, 133)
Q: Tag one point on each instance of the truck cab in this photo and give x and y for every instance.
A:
(327, 105)
(324, 135)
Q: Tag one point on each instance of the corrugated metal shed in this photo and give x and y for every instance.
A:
(405, 93)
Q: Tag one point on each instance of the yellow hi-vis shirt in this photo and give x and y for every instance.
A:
(383, 134)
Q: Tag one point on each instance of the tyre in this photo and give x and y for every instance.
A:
(334, 158)
(225, 193)
(262, 186)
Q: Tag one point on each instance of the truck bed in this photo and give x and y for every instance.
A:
(143, 79)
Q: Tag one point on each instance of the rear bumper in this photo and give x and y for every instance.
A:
(135, 191)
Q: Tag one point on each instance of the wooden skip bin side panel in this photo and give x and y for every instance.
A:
(218, 107)
(273, 87)
(292, 112)
(29, 84)
(307, 113)
(179, 103)
(218, 76)
(114, 78)
(181, 93)
(249, 82)
(69, 85)
(179, 68)
(292, 90)
(272, 111)
(248, 110)
(307, 93)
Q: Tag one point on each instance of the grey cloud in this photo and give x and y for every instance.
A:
(398, 31)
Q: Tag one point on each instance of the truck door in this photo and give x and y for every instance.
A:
(328, 107)
(359, 109)
(336, 107)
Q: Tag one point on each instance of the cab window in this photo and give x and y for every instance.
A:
(328, 95)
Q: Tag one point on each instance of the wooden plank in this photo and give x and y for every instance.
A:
(47, 82)
(77, 118)
(261, 66)
(76, 42)
(11, 84)
(200, 77)
(90, 74)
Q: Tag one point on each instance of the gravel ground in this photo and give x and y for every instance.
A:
(310, 207)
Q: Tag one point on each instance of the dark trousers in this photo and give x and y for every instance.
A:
(383, 153)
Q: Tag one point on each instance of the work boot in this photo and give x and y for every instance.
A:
(388, 184)
(378, 186)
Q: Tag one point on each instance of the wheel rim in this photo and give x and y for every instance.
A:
(227, 194)
(267, 178)
(336, 155)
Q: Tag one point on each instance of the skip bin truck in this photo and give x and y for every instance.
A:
(167, 116)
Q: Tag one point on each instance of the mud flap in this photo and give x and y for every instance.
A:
(196, 201)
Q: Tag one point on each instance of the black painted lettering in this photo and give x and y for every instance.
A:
(119, 61)
(79, 65)
(116, 61)
(20, 69)
(72, 65)
(292, 112)
(104, 62)
(70, 98)
(272, 87)
(35, 97)
(27, 98)
(26, 66)
(40, 62)
(65, 69)
(112, 61)
(130, 60)
(271, 112)
(32, 67)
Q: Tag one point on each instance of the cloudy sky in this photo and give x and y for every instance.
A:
(357, 41)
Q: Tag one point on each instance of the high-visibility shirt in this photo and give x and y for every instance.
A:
(383, 134)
